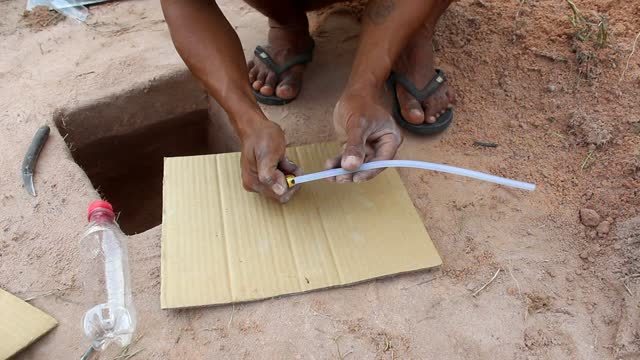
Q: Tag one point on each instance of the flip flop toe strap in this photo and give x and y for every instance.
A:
(303, 58)
(423, 94)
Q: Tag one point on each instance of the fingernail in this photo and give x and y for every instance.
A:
(351, 160)
(278, 189)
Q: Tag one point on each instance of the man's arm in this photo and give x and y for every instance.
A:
(370, 132)
(212, 51)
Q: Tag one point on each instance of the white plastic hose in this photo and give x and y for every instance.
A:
(417, 165)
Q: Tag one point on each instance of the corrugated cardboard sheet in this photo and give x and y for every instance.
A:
(21, 324)
(221, 244)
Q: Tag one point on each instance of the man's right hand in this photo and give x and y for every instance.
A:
(264, 164)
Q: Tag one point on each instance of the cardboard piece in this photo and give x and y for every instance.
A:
(21, 324)
(221, 244)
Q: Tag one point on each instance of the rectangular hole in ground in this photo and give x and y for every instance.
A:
(121, 142)
(127, 169)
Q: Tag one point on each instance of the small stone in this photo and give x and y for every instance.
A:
(584, 255)
(603, 228)
(512, 291)
(552, 88)
(458, 43)
(578, 272)
(589, 217)
(470, 287)
(617, 247)
(591, 259)
(569, 278)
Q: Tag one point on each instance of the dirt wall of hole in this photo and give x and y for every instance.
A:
(141, 106)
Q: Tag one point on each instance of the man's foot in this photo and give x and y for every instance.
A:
(285, 43)
(416, 63)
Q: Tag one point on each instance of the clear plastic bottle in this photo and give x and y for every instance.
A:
(110, 316)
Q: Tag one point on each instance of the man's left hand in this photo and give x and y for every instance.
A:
(371, 134)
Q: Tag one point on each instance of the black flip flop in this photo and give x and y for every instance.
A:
(263, 56)
(443, 120)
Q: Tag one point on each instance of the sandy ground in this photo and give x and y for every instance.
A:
(559, 109)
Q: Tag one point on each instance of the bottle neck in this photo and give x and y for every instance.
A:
(102, 216)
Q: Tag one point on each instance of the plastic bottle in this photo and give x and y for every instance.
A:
(105, 280)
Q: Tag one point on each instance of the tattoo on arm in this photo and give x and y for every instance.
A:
(377, 11)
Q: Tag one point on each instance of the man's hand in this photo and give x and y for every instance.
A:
(371, 134)
(264, 164)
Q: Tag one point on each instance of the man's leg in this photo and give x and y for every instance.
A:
(417, 63)
(288, 37)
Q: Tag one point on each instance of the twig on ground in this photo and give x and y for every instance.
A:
(516, 280)
(624, 283)
(577, 16)
(515, 21)
(124, 353)
(585, 162)
(85, 73)
(487, 284)
(485, 144)
(420, 283)
(320, 314)
(128, 356)
(633, 50)
(387, 344)
(233, 310)
(340, 355)
(47, 293)
(556, 134)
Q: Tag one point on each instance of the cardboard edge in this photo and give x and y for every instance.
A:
(162, 238)
(383, 277)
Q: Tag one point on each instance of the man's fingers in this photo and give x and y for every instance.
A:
(354, 151)
(288, 195)
(267, 191)
(279, 186)
(269, 175)
(362, 176)
(384, 149)
(289, 167)
(332, 164)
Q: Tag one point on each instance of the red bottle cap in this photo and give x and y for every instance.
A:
(99, 205)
